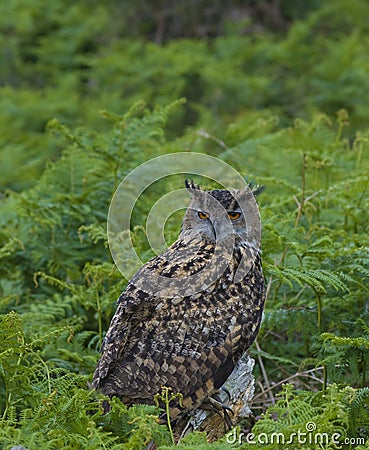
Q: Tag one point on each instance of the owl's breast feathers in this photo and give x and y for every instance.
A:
(187, 342)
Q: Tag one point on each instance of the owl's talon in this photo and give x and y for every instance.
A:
(227, 392)
(217, 404)
(220, 408)
(227, 420)
(228, 408)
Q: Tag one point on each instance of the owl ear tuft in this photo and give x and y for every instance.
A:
(191, 186)
(256, 189)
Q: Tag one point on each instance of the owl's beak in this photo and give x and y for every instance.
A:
(221, 228)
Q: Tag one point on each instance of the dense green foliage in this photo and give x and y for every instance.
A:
(69, 60)
(287, 109)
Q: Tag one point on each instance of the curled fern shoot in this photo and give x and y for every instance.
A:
(167, 398)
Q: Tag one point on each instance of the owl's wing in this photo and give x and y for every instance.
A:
(130, 301)
(136, 305)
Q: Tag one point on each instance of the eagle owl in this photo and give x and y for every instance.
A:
(188, 315)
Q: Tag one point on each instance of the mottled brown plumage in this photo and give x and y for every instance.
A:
(188, 315)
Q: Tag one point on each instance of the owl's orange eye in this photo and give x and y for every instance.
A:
(234, 215)
(202, 215)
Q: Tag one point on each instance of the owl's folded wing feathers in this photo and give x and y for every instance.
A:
(136, 305)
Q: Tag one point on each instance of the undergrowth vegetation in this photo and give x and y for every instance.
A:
(287, 110)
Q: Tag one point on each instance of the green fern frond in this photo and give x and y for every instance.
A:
(61, 284)
(302, 412)
(96, 232)
(360, 342)
(359, 412)
(10, 247)
(318, 279)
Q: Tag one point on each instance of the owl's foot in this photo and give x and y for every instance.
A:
(227, 392)
(216, 405)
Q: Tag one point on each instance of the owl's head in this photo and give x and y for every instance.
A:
(219, 213)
